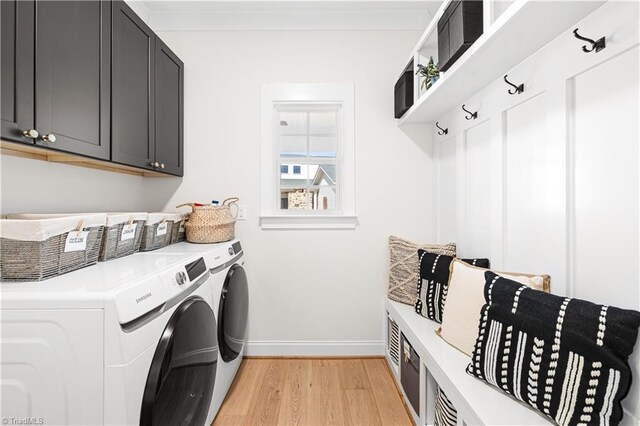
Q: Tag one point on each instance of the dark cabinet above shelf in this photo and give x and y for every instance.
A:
(105, 87)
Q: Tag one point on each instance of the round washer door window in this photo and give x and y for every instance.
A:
(233, 312)
(180, 382)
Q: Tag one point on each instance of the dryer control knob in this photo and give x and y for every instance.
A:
(181, 278)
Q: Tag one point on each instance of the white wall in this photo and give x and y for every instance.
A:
(548, 181)
(36, 186)
(311, 291)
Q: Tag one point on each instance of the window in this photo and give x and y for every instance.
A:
(308, 128)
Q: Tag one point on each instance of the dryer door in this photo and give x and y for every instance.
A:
(180, 382)
(233, 312)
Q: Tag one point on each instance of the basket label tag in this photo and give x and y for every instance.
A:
(162, 229)
(76, 241)
(128, 232)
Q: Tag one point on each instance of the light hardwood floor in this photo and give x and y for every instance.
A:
(313, 392)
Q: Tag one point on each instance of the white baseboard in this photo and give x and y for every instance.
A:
(313, 348)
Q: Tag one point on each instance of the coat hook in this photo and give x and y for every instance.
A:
(595, 45)
(442, 131)
(516, 89)
(471, 116)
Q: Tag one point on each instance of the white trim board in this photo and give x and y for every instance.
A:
(314, 348)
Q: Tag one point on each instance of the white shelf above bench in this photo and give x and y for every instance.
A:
(477, 402)
(520, 31)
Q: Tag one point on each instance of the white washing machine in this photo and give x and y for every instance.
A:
(231, 304)
(126, 342)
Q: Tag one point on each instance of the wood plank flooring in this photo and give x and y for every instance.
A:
(313, 392)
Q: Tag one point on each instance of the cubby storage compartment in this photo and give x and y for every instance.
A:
(393, 339)
(403, 91)
(459, 27)
(410, 373)
(428, 363)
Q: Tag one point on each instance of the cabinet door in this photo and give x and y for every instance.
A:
(132, 139)
(169, 107)
(18, 19)
(73, 64)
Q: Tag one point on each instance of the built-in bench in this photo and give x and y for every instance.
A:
(442, 365)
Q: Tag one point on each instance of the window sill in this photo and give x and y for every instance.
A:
(308, 222)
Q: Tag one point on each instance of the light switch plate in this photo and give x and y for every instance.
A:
(242, 212)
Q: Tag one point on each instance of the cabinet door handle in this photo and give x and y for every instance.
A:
(31, 133)
(162, 165)
(49, 138)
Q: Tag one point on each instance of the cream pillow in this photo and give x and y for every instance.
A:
(461, 313)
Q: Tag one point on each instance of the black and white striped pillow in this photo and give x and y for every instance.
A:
(567, 358)
(445, 414)
(433, 282)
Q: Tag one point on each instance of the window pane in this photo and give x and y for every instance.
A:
(284, 169)
(323, 174)
(293, 199)
(323, 146)
(291, 179)
(323, 198)
(293, 122)
(293, 146)
(322, 122)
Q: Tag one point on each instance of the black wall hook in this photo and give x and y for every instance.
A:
(597, 45)
(516, 89)
(471, 116)
(443, 131)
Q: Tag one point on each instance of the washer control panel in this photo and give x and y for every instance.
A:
(181, 277)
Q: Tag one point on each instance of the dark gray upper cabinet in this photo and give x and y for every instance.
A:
(73, 66)
(91, 78)
(133, 97)
(169, 110)
(17, 85)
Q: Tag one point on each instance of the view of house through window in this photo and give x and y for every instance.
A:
(309, 148)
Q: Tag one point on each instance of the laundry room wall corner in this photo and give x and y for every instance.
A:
(312, 292)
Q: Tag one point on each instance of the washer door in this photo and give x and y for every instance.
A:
(180, 383)
(233, 312)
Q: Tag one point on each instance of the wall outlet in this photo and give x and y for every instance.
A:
(242, 212)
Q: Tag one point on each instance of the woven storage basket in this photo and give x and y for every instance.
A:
(35, 249)
(212, 224)
(157, 231)
(179, 232)
(117, 244)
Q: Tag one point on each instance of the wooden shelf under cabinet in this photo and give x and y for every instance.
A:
(16, 149)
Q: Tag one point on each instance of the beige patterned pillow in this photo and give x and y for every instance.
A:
(404, 267)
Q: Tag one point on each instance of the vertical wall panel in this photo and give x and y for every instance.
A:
(531, 205)
(477, 191)
(605, 246)
(446, 177)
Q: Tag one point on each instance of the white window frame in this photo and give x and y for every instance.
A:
(272, 217)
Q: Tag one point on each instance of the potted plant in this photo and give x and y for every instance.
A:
(430, 73)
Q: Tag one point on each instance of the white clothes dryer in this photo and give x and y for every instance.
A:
(231, 303)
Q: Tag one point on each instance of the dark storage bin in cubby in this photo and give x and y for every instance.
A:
(459, 26)
(403, 93)
(410, 374)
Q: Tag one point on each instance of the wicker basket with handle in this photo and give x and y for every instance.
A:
(211, 224)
